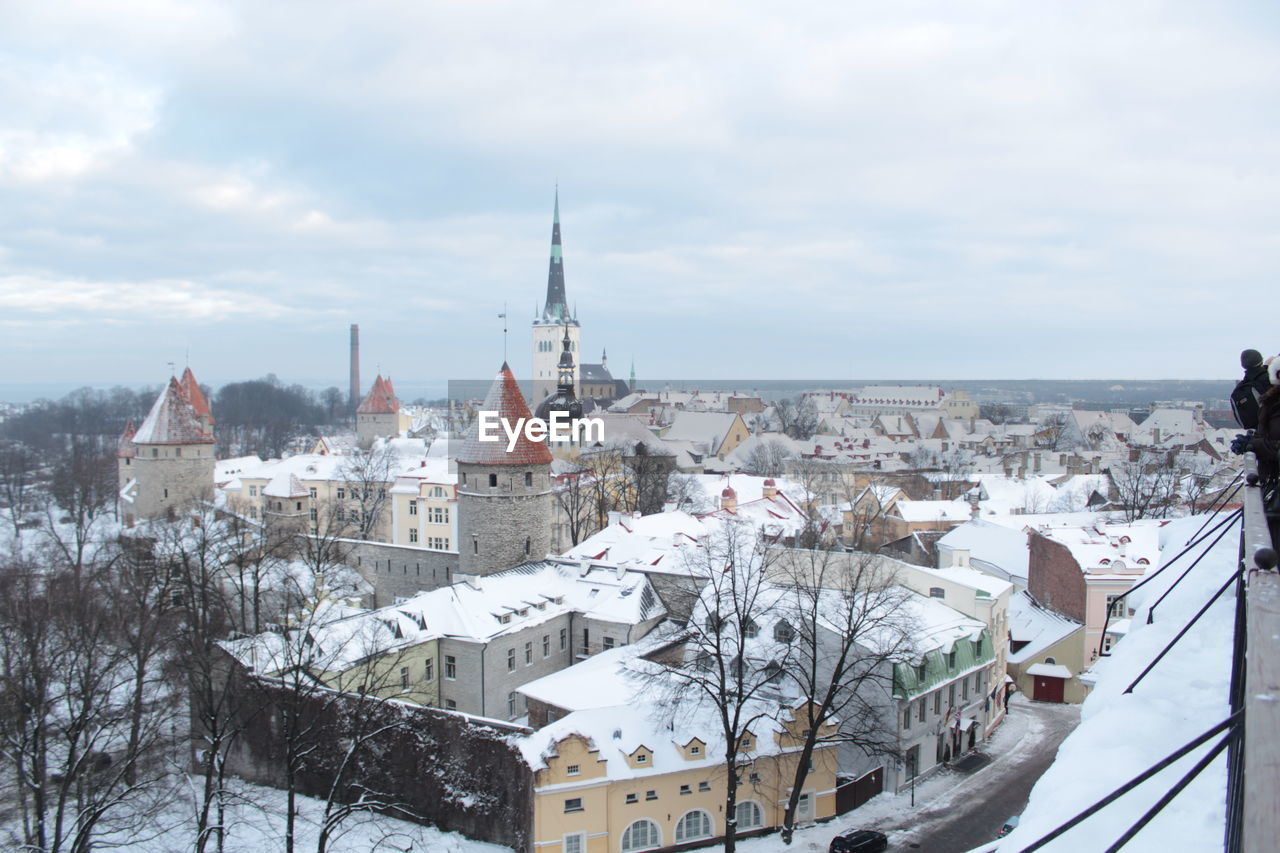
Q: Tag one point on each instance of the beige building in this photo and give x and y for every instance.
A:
(620, 780)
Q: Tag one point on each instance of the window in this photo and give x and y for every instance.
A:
(1116, 607)
(964, 688)
(1050, 661)
(413, 507)
(1107, 642)
(633, 798)
(438, 515)
(253, 491)
(342, 494)
(528, 478)
(493, 481)
(464, 478)
(686, 789)
(642, 758)
(450, 667)
(951, 659)
(783, 632)
(951, 695)
(695, 750)
(439, 543)
(404, 678)
(429, 670)
(575, 843)
(546, 645)
(312, 492)
(641, 835)
(750, 815)
(804, 807)
(651, 795)
(921, 670)
(511, 660)
(750, 629)
(528, 544)
(608, 642)
(528, 653)
(754, 778)
(937, 592)
(511, 705)
(573, 769)
(413, 533)
(937, 702)
(920, 711)
(564, 638)
(475, 546)
(746, 742)
(694, 825)
(906, 718)
(704, 786)
(450, 705)
(573, 804)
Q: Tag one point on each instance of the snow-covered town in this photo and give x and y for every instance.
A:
(362, 486)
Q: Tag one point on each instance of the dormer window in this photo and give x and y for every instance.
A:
(504, 618)
(642, 758)
(695, 750)
(783, 632)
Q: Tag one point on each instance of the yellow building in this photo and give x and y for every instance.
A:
(621, 780)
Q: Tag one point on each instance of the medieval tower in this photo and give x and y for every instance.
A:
(167, 463)
(504, 497)
(554, 322)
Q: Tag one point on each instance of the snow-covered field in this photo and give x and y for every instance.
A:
(256, 825)
(1122, 735)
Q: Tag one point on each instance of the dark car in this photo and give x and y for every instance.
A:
(859, 841)
(1009, 826)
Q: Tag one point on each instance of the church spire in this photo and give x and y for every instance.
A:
(557, 308)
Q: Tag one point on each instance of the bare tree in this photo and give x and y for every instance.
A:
(367, 477)
(797, 418)
(83, 489)
(18, 475)
(574, 505)
(1147, 486)
(767, 458)
(721, 665)
(649, 478)
(847, 626)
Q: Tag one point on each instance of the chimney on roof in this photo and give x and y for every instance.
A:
(960, 558)
(472, 581)
(355, 366)
(729, 499)
(770, 489)
(1035, 462)
(1095, 464)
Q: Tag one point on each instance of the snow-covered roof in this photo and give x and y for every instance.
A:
(925, 511)
(989, 544)
(1038, 627)
(172, 420)
(708, 428)
(1111, 548)
(1050, 670)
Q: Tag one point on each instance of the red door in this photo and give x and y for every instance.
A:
(1048, 689)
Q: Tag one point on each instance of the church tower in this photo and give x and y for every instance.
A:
(504, 497)
(554, 322)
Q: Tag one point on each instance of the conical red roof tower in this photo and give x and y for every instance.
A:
(505, 399)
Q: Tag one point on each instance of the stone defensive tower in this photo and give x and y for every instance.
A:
(504, 497)
(166, 464)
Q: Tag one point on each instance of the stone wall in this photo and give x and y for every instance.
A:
(1054, 577)
(502, 525)
(400, 571)
(434, 767)
(178, 476)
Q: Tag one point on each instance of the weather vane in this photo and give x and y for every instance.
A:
(503, 318)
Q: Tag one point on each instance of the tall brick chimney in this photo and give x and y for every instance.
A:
(355, 366)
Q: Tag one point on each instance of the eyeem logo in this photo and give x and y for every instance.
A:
(560, 427)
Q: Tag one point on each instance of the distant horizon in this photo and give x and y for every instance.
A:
(409, 390)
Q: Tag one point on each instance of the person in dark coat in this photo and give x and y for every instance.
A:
(1247, 394)
(1265, 441)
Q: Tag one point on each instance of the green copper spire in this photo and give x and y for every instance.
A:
(557, 308)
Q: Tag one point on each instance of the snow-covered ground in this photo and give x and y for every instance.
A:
(256, 825)
(1122, 735)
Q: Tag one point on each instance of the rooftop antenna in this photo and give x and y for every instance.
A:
(170, 363)
(503, 318)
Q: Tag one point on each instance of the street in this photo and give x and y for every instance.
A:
(972, 811)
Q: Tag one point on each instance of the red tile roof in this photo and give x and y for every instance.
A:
(125, 448)
(504, 398)
(172, 420)
(195, 395)
(381, 399)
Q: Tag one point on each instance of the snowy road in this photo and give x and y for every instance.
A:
(955, 812)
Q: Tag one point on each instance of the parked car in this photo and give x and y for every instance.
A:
(859, 841)
(1009, 826)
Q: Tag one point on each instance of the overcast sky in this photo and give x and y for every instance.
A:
(809, 190)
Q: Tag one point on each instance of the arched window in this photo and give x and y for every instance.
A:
(694, 825)
(641, 835)
(1050, 661)
(937, 592)
(750, 815)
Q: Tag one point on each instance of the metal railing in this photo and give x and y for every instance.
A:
(1251, 734)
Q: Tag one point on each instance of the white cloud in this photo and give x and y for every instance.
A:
(38, 299)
